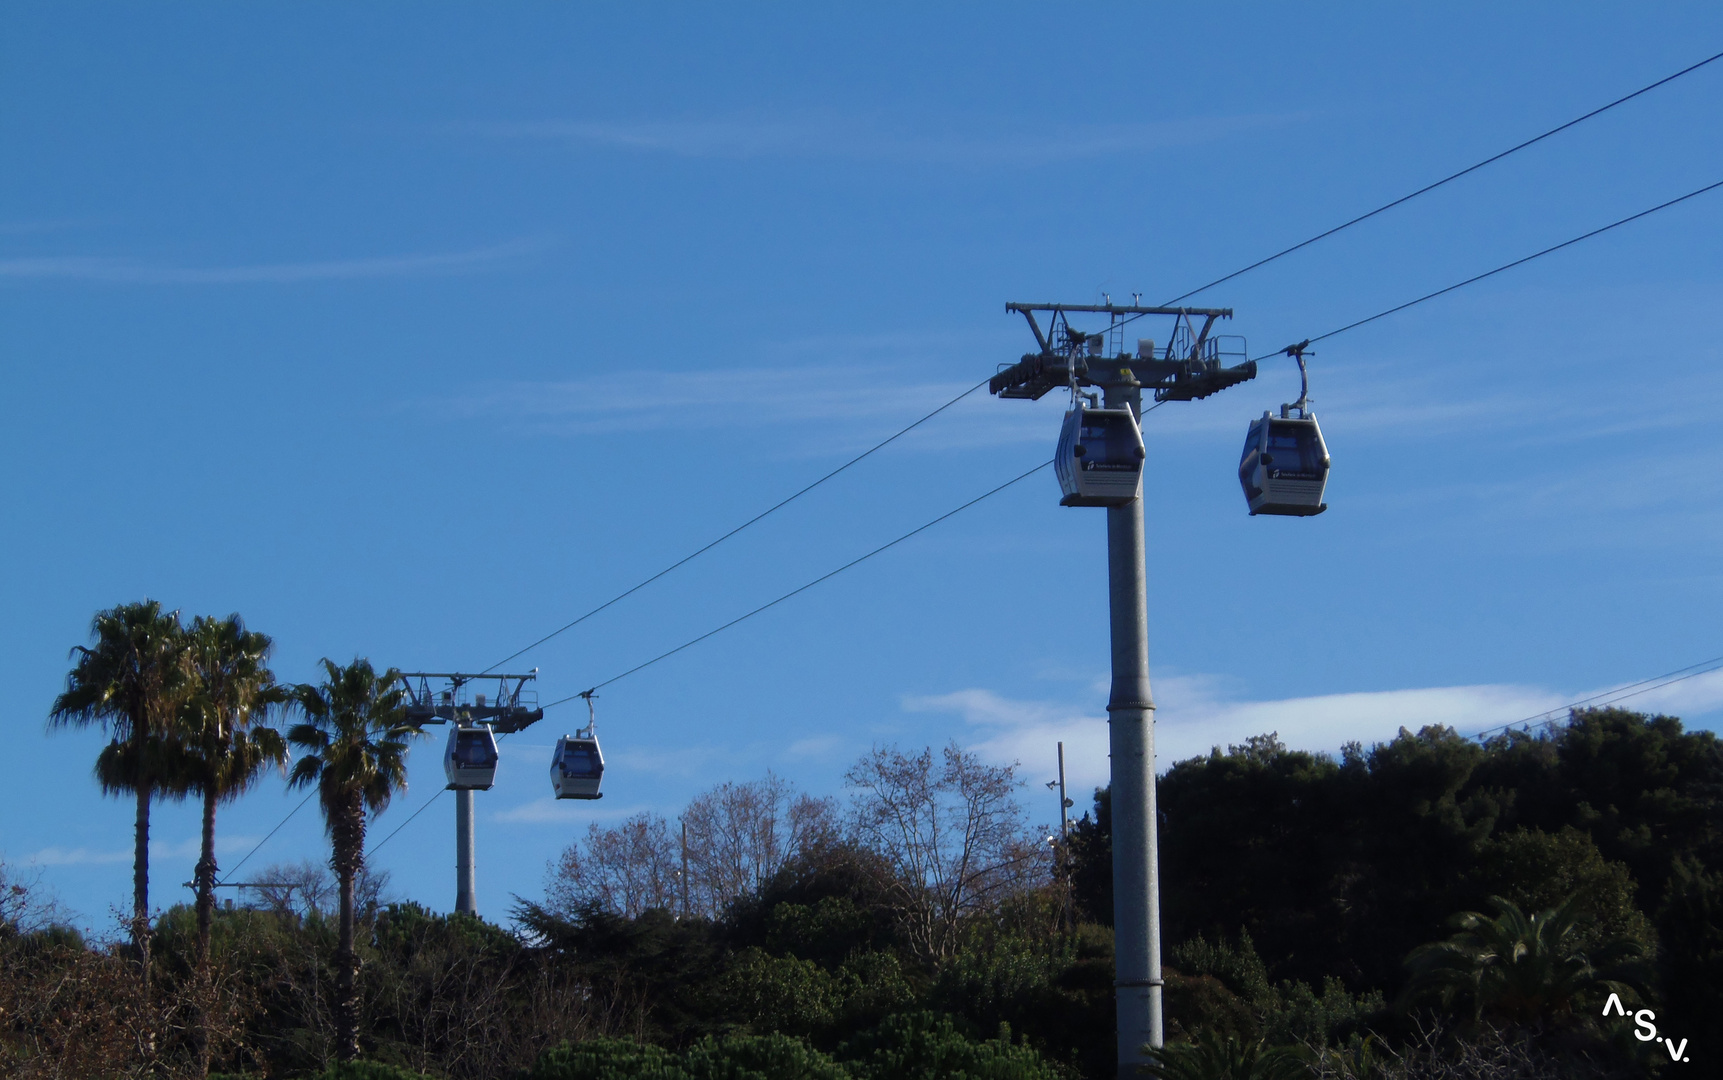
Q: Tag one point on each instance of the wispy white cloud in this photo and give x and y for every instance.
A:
(551, 811)
(80, 856)
(1390, 398)
(674, 761)
(28, 228)
(847, 406)
(190, 847)
(818, 748)
(183, 849)
(614, 402)
(1693, 696)
(536, 754)
(1195, 716)
(1386, 400)
(848, 137)
(123, 271)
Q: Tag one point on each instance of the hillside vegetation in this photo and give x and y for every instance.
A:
(1348, 917)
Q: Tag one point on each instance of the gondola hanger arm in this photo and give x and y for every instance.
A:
(1298, 352)
(591, 712)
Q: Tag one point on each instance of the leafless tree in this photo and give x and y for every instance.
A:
(952, 831)
(625, 868)
(1433, 1050)
(69, 1008)
(307, 887)
(25, 906)
(740, 835)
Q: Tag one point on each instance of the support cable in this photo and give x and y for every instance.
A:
(757, 517)
(804, 588)
(1610, 697)
(1545, 718)
(1341, 330)
(972, 502)
(235, 868)
(422, 808)
(685, 559)
(425, 806)
(1220, 280)
(1505, 266)
(374, 850)
(744, 618)
(1426, 189)
(1236, 273)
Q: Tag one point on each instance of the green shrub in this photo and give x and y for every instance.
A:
(825, 931)
(734, 1057)
(760, 1057)
(1238, 967)
(1224, 988)
(367, 1070)
(607, 1059)
(872, 986)
(1218, 1057)
(1299, 1014)
(780, 993)
(928, 1046)
(1203, 1003)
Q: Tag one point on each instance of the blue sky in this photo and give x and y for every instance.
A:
(412, 331)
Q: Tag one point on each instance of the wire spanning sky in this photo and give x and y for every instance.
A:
(416, 333)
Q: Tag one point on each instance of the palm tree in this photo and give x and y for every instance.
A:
(226, 748)
(131, 682)
(354, 738)
(1523, 968)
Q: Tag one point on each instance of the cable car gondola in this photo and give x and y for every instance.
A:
(1284, 468)
(577, 767)
(1100, 456)
(470, 759)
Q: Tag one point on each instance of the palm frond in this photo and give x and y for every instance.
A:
(1521, 967)
(355, 728)
(1215, 1057)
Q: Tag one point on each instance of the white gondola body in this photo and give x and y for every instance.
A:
(577, 767)
(1284, 468)
(470, 758)
(1100, 457)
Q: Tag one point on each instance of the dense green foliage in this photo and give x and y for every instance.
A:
(1336, 869)
(1429, 907)
(1522, 969)
(917, 1046)
(1213, 1055)
(368, 1070)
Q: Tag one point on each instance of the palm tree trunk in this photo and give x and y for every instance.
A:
(205, 917)
(141, 884)
(349, 852)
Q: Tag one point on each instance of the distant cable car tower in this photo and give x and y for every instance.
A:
(470, 756)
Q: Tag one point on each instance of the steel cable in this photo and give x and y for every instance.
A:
(757, 517)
